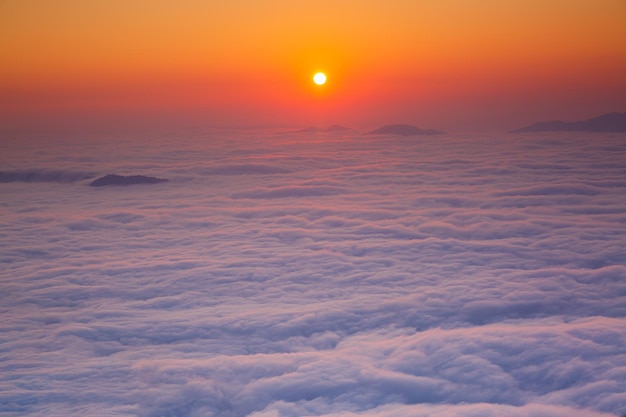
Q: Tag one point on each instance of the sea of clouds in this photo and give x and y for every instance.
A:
(313, 274)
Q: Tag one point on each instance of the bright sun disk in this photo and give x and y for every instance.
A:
(319, 78)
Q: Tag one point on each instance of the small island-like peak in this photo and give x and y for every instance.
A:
(403, 130)
(315, 129)
(113, 179)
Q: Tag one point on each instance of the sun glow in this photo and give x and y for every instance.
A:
(319, 78)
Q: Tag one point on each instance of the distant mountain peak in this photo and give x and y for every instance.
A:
(113, 179)
(609, 122)
(333, 128)
(403, 130)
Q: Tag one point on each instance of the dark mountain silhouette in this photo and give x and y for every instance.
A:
(403, 130)
(337, 128)
(113, 179)
(43, 175)
(610, 122)
(333, 128)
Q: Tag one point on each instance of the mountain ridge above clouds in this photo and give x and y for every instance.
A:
(113, 179)
(44, 175)
(403, 130)
(316, 129)
(608, 122)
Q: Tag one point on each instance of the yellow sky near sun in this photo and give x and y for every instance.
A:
(399, 49)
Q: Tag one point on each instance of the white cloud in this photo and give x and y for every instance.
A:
(349, 276)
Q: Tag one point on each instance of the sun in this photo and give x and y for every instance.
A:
(319, 78)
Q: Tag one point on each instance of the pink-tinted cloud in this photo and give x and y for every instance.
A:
(320, 275)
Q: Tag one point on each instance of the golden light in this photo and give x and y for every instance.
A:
(319, 78)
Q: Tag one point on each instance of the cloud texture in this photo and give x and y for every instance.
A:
(315, 275)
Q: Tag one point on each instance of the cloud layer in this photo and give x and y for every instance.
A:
(318, 275)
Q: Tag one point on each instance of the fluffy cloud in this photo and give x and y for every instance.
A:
(334, 276)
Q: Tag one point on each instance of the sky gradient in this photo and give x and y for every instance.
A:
(267, 269)
(450, 65)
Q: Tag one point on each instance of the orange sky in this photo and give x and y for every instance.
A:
(448, 64)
